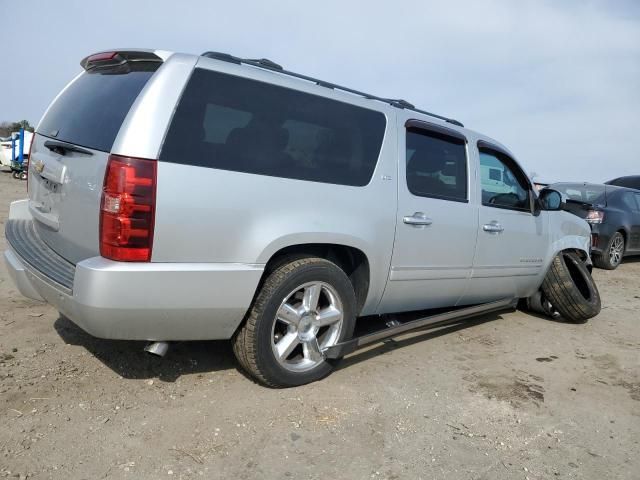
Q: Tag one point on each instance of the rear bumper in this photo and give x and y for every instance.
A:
(600, 236)
(132, 301)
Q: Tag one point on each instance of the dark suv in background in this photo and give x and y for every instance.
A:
(614, 215)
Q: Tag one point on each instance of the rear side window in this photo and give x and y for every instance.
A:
(629, 201)
(91, 111)
(232, 123)
(436, 165)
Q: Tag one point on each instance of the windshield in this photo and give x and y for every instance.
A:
(582, 192)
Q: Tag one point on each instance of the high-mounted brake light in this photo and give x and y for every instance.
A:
(102, 60)
(110, 60)
(127, 209)
(101, 57)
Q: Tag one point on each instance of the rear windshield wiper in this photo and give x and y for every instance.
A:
(62, 148)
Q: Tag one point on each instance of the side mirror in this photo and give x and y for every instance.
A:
(550, 199)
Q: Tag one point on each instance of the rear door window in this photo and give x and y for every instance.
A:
(91, 110)
(233, 123)
(630, 201)
(436, 165)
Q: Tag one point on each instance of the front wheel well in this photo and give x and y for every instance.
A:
(584, 257)
(350, 259)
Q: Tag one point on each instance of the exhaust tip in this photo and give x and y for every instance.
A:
(158, 349)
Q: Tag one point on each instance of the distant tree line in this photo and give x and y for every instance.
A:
(6, 128)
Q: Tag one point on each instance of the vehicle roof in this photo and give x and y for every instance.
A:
(318, 87)
(282, 78)
(625, 177)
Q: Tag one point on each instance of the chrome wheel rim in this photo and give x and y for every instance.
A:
(616, 250)
(308, 321)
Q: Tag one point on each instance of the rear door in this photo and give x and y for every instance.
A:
(70, 152)
(436, 225)
(512, 241)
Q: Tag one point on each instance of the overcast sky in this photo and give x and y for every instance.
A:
(556, 82)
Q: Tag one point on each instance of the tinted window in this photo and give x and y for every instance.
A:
(233, 123)
(436, 165)
(629, 201)
(502, 185)
(582, 192)
(91, 111)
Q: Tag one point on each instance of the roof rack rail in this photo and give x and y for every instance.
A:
(265, 62)
(269, 65)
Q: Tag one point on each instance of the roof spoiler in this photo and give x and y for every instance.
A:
(116, 58)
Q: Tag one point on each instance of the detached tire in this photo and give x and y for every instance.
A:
(571, 289)
(304, 306)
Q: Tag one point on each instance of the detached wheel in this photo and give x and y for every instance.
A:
(303, 307)
(612, 255)
(571, 289)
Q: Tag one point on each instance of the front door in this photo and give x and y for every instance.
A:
(512, 240)
(436, 225)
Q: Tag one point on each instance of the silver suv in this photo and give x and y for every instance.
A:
(183, 197)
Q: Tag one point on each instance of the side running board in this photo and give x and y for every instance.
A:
(434, 321)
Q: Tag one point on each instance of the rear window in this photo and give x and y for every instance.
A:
(585, 193)
(232, 123)
(90, 112)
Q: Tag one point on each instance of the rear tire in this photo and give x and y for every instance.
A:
(611, 256)
(304, 306)
(571, 289)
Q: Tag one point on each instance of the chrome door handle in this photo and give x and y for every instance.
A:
(493, 227)
(418, 219)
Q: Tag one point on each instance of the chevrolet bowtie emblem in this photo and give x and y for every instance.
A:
(39, 166)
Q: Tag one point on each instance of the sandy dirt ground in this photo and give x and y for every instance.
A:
(510, 396)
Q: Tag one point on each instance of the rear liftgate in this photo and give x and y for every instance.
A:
(394, 327)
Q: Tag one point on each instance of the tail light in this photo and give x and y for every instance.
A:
(595, 216)
(127, 209)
